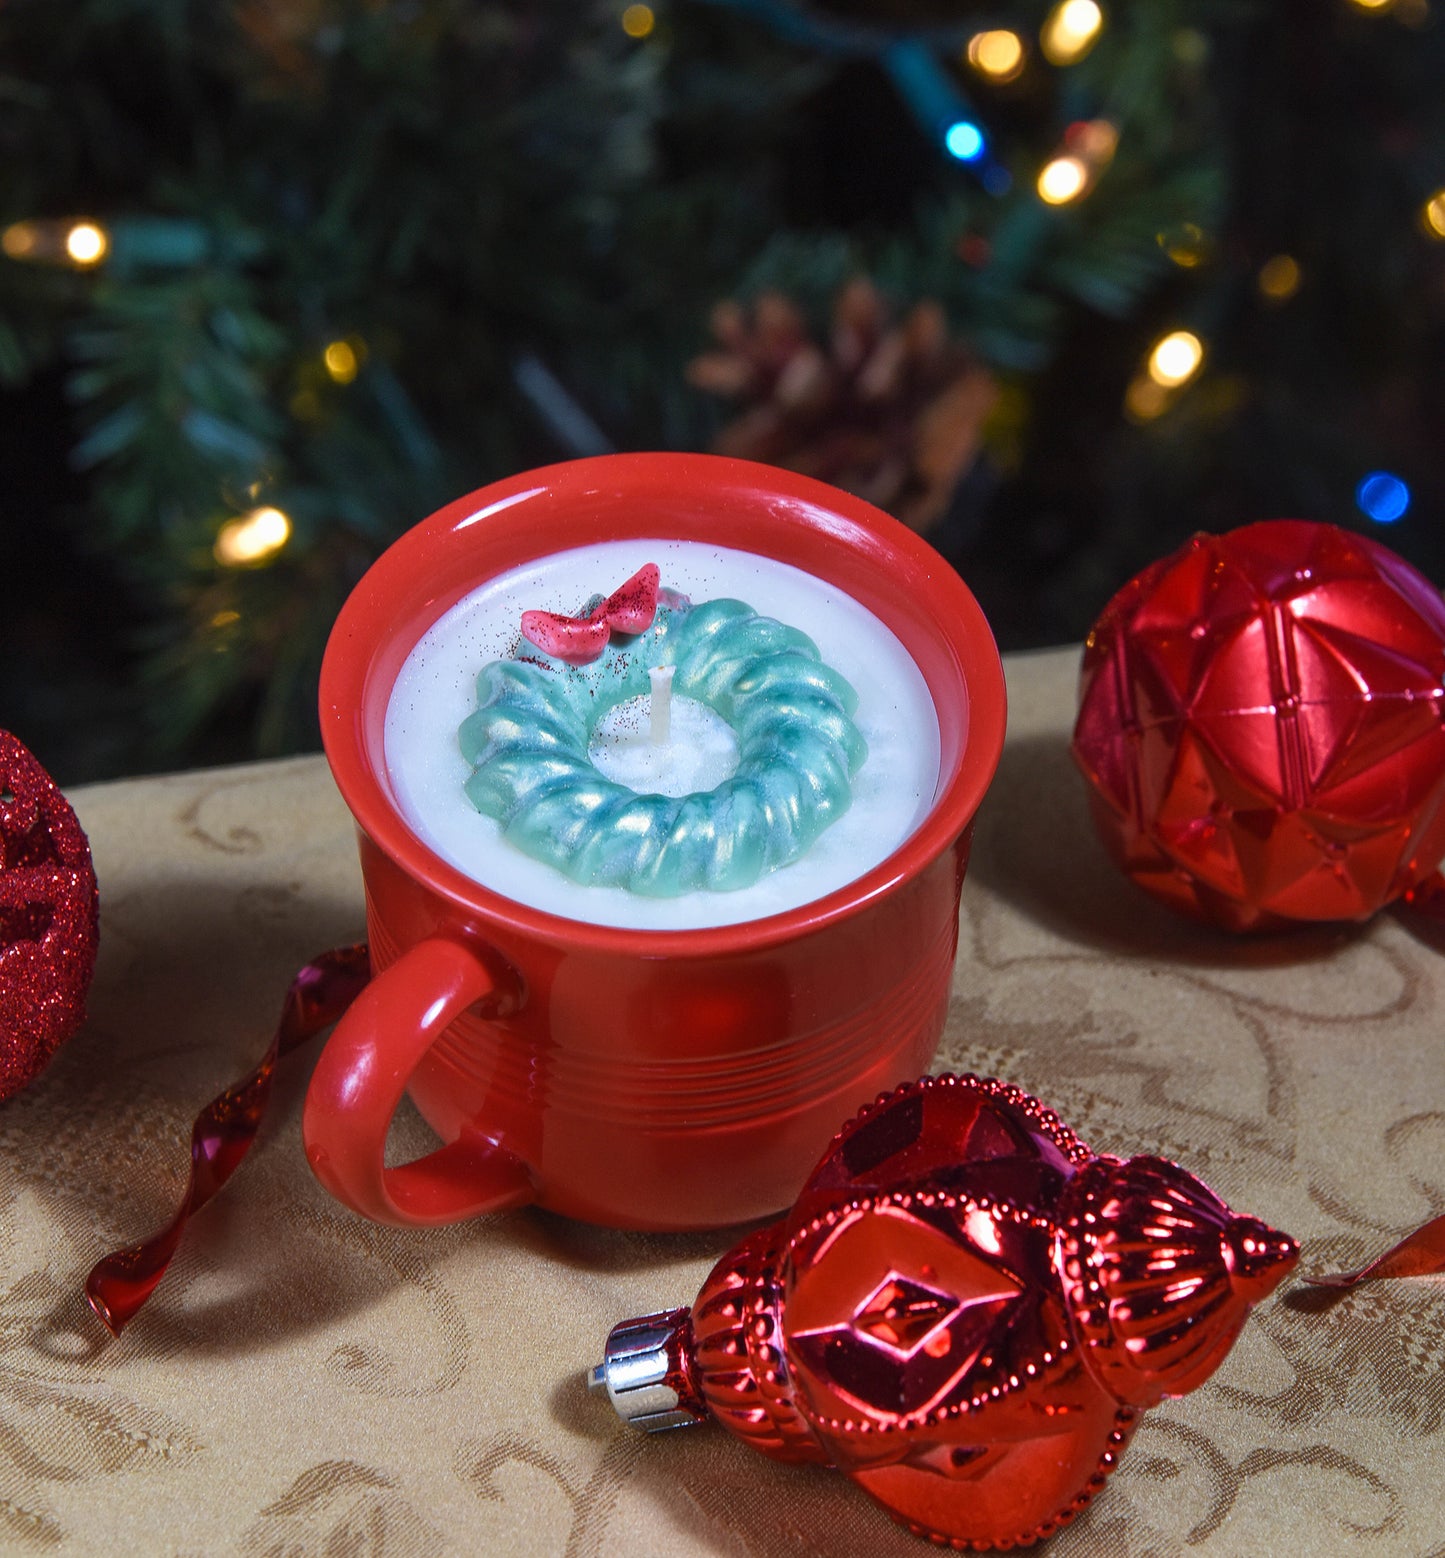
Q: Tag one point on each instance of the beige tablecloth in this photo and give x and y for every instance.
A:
(306, 1382)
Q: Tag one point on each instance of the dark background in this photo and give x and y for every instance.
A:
(462, 190)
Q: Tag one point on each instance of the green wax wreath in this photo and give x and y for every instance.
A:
(798, 750)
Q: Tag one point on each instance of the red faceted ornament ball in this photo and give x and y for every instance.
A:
(1262, 726)
(48, 917)
(966, 1312)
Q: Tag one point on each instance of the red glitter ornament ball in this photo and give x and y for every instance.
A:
(48, 917)
(966, 1312)
(1262, 725)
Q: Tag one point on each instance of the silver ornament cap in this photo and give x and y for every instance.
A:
(645, 1372)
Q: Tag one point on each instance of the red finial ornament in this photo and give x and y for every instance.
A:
(965, 1312)
(1262, 725)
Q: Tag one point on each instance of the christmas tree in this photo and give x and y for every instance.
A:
(1058, 284)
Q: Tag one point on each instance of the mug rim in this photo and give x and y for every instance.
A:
(359, 635)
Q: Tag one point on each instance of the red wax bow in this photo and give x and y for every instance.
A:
(579, 640)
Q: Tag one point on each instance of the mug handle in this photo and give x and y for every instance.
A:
(360, 1079)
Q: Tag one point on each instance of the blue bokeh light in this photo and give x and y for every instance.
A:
(1382, 497)
(964, 140)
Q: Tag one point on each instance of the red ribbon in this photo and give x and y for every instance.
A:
(221, 1137)
(1420, 1254)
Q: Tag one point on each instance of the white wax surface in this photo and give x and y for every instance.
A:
(700, 752)
(436, 691)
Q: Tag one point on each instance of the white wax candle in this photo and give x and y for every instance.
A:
(659, 705)
(435, 692)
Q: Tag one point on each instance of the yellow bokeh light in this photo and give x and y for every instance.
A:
(1176, 358)
(1185, 244)
(1434, 214)
(224, 619)
(86, 244)
(55, 242)
(341, 361)
(1144, 399)
(1062, 180)
(19, 240)
(998, 54)
(1279, 277)
(252, 539)
(1190, 46)
(1095, 140)
(638, 21)
(1070, 31)
(1373, 5)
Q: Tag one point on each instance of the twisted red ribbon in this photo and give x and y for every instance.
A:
(221, 1137)
(1419, 1254)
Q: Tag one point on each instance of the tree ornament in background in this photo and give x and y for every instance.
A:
(48, 917)
(966, 1311)
(890, 412)
(1262, 725)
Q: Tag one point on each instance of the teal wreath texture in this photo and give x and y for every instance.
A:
(798, 750)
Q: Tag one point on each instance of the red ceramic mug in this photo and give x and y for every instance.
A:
(636, 1078)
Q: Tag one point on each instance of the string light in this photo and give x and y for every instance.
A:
(1062, 180)
(1383, 497)
(1433, 216)
(253, 538)
(1175, 359)
(1071, 31)
(638, 21)
(1185, 245)
(1095, 140)
(964, 140)
(998, 54)
(1279, 278)
(86, 244)
(1144, 399)
(19, 240)
(1088, 148)
(82, 244)
(343, 359)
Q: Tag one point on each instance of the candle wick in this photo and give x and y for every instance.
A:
(659, 704)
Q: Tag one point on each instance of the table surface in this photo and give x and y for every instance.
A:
(305, 1381)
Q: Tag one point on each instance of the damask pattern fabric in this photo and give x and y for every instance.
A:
(305, 1382)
